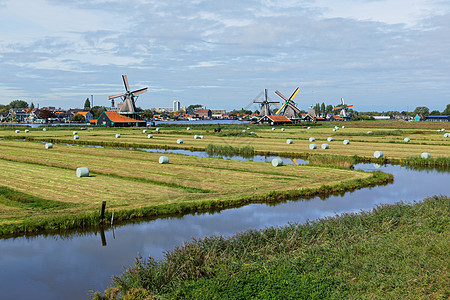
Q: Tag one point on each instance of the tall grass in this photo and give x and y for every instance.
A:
(392, 252)
(248, 150)
(331, 160)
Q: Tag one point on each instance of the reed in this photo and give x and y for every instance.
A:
(331, 160)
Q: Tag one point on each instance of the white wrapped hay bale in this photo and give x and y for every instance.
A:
(252, 132)
(276, 162)
(48, 145)
(198, 137)
(346, 142)
(163, 160)
(334, 129)
(312, 146)
(75, 132)
(406, 140)
(443, 129)
(343, 126)
(189, 128)
(82, 172)
(273, 128)
(179, 141)
(44, 129)
(282, 129)
(312, 139)
(369, 132)
(248, 128)
(144, 131)
(117, 135)
(76, 137)
(325, 146)
(289, 141)
(157, 129)
(378, 154)
(150, 136)
(26, 130)
(17, 131)
(446, 134)
(425, 155)
(244, 130)
(330, 139)
(308, 127)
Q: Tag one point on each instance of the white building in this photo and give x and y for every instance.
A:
(176, 105)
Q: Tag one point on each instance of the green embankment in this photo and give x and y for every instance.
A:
(393, 252)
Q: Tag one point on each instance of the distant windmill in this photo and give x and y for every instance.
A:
(343, 107)
(265, 104)
(129, 98)
(288, 109)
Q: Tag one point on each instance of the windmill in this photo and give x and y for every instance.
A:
(265, 104)
(129, 98)
(288, 109)
(343, 113)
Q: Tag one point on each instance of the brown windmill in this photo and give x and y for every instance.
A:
(265, 104)
(288, 109)
(129, 98)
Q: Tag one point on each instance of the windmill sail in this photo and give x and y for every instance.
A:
(129, 98)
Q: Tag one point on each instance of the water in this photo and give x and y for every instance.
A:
(55, 267)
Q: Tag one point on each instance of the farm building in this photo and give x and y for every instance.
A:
(87, 114)
(204, 113)
(274, 120)
(436, 118)
(113, 119)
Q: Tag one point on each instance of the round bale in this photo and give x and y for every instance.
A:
(189, 128)
(282, 129)
(276, 162)
(334, 129)
(425, 155)
(76, 137)
(157, 129)
(26, 130)
(406, 140)
(346, 142)
(75, 132)
(48, 145)
(312, 146)
(369, 132)
(117, 135)
(308, 127)
(289, 141)
(273, 128)
(325, 146)
(244, 130)
(343, 126)
(144, 131)
(179, 141)
(150, 136)
(312, 139)
(17, 131)
(330, 139)
(378, 154)
(163, 160)
(44, 129)
(446, 134)
(248, 128)
(82, 172)
(252, 132)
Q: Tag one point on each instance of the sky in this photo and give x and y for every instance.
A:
(378, 55)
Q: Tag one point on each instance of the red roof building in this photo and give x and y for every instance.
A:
(274, 119)
(114, 119)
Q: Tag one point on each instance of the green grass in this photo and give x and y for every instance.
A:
(332, 160)
(393, 252)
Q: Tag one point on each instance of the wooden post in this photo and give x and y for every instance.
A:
(112, 217)
(102, 236)
(102, 214)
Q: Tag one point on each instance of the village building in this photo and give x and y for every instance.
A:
(274, 120)
(204, 113)
(114, 119)
(438, 118)
(86, 114)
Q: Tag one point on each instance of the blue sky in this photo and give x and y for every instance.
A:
(378, 55)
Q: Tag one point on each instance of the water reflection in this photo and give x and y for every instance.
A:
(67, 267)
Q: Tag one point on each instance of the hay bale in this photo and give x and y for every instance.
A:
(144, 131)
(76, 137)
(198, 137)
(252, 132)
(150, 136)
(289, 141)
(179, 141)
(48, 145)
(308, 127)
(334, 129)
(282, 129)
(244, 130)
(189, 128)
(26, 130)
(406, 140)
(346, 142)
(325, 146)
(17, 131)
(443, 129)
(273, 128)
(276, 162)
(248, 128)
(75, 132)
(425, 155)
(117, 135)
(378, 154)
(343, 126)
(82, 172)
(446, 134)
(330, 139)
(163, 160)
(369, 132)
(312, 146)
(157, 129)
(312, 139)
(44, 129)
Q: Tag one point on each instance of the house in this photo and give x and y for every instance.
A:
(336, 118)
(204, 113)
(437, 118)
(418, 118)
(113, 119)
(308, 118)
(87, 114)
(274, 120)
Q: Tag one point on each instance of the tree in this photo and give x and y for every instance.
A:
(18, 104)
(97, 111)
(87, 104)
(322, 108)
(422, 110)
(329, 109)
(45, 114)
(32, 106)
(78, 118)
(446, 110)
(435, 113)
(148, 114)
(193, 108)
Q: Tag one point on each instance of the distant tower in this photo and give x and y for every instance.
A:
(176, 105)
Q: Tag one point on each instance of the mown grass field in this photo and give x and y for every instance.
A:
(388, 139)
(129, 179)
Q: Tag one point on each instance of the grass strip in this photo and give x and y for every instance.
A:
(395, 251)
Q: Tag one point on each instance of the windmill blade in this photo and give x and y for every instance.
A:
(338, 107)
(294, 107)
(116, 96)
(342, 100)
(140, 91)
(258, 101)
(348, 106)
(273, 102)
(294, 94)
(125, 82)
(281, 95)
(281, 108)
